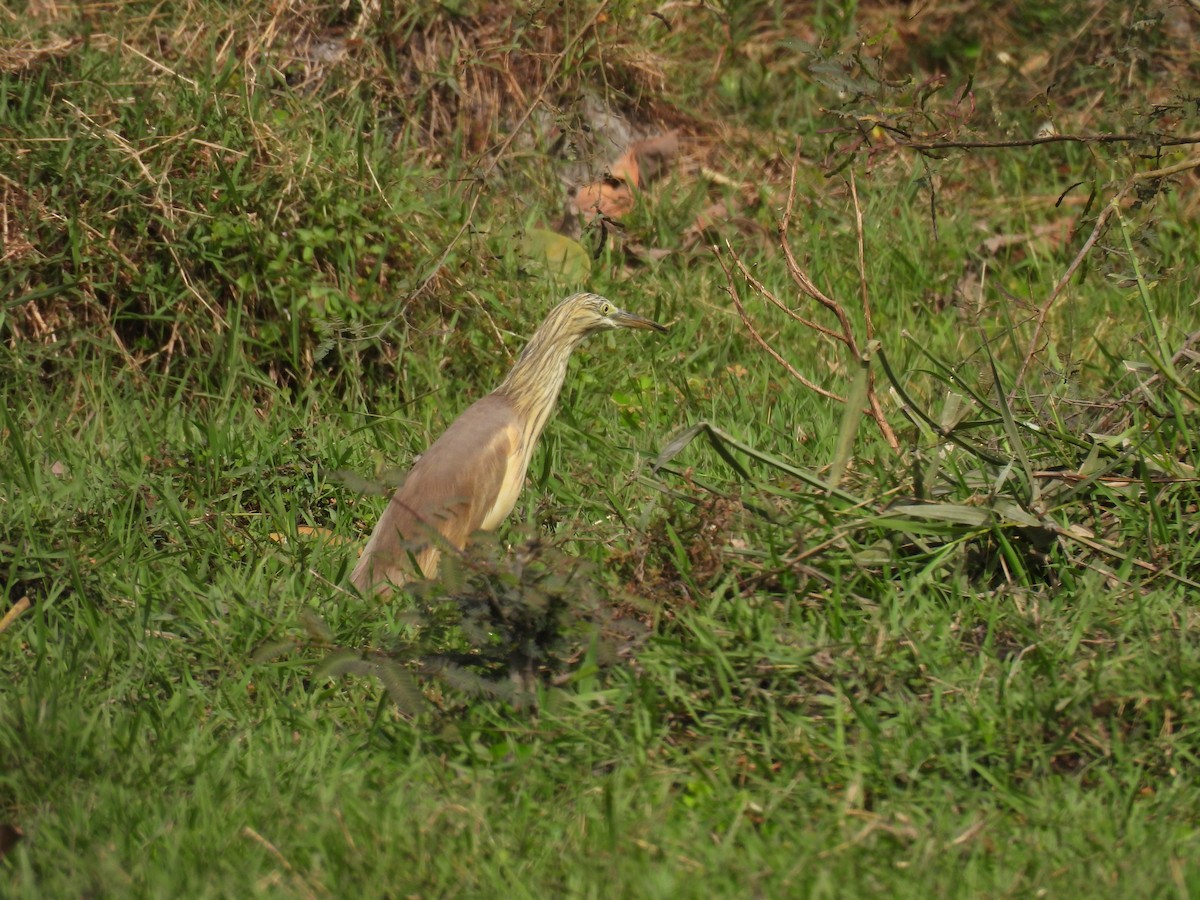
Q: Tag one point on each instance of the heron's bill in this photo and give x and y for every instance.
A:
(629, 320)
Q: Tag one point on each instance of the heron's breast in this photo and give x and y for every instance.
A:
(510, 487)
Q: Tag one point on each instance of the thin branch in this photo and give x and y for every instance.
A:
(862, 260)
(885, 427)
(1192, 162)
(846, 336)
(762, 342)
(801, 277)
(1059, 286)
(1156, 140)
(766, 292)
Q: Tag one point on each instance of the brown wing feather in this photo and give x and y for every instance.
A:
(450, 491)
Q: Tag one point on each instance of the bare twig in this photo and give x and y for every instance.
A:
(1044, 309)
(1156, 140)
(847, 336)
(885, 427)
(761, 288)
(759, 339)
(844, 334)
(801, 277)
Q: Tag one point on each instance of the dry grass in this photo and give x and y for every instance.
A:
(497, 104)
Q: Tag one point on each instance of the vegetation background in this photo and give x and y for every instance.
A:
(877, 575)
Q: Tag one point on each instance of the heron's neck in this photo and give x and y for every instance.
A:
(533, 384)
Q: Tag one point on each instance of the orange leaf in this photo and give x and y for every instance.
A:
(611, 199)
(626, 169)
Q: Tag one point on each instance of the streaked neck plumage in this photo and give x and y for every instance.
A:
(536, 379)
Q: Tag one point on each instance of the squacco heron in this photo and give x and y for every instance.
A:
(469, 479)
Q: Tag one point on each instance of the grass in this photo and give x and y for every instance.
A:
(234, 298)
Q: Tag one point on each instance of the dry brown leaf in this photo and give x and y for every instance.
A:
(625, 169)
(612, 199)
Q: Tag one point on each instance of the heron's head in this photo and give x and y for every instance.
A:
(536, 378)
(585, 314)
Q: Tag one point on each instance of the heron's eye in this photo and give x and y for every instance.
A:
(606, 309)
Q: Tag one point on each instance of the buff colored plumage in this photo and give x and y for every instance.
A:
(471, 476)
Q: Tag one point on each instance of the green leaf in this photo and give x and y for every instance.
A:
(955, 513)
(852, 415)
(556, 256)
(721, 441)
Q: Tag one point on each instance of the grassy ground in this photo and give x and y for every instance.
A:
(243, 276)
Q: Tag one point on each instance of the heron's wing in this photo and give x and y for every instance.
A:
(460, 478)
(454, 489)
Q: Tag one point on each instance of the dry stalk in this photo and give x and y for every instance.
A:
(754, 333)
(843, 333)
(868, 324)
(1157, 140)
